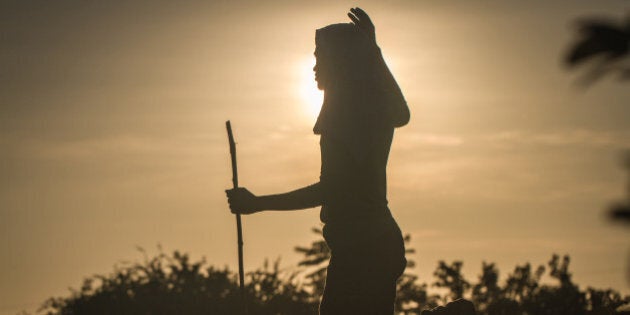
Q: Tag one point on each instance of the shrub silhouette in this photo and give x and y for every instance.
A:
(173, 284)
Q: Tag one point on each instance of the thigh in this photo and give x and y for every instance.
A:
(362, 280)
(352, 292)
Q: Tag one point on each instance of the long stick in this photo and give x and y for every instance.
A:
(239, 229)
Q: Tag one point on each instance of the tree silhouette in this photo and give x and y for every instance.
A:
(604, 42)
(620, 211)
(521, 293)
(487, 291)
(173, 284)
(450, 277)
(315, 260)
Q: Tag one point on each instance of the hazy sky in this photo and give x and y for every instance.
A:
(112, 135)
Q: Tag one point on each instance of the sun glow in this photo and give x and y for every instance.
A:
(311, 96)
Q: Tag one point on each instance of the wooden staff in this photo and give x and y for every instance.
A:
(239, 229)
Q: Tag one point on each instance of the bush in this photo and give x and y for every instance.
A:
(175, 285)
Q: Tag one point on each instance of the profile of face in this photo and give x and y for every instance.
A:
(343, 56)
(322, 75)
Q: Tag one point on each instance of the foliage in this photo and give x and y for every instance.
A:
(451, 278)
(522, 292)
(604, 42)
(315, 262)
(175, 285)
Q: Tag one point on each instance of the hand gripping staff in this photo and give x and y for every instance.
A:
(239, 229)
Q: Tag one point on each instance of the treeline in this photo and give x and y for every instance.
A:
(173, 284)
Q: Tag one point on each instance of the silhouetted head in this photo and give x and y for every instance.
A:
(346, 71)
(344, 57)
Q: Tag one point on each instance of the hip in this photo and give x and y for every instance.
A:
(382, 234)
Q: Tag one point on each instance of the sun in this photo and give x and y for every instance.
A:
(310, 95)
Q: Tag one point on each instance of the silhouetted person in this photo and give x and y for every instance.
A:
(362, 106)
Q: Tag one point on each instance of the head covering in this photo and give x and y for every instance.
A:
(351, 102)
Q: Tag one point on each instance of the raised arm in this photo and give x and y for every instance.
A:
(243, 201)
(398, 111)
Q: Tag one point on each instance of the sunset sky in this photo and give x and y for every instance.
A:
(112, 135)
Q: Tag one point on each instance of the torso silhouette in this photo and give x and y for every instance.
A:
(354, 186)
(353, 178)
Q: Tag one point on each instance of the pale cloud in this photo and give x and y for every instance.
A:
(429, 139)
(509, 166)
(574, 137)
(570, 137)
(96, 147)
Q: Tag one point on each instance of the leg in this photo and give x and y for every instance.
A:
(362, 279)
